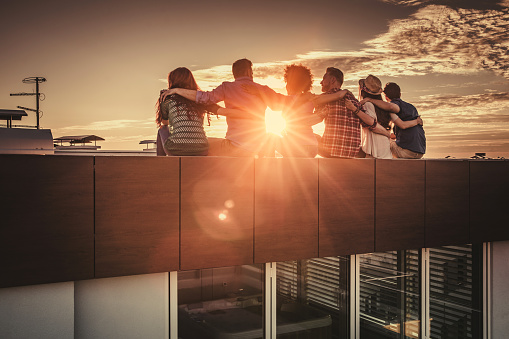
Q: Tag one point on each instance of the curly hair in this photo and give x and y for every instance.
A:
(298, 78)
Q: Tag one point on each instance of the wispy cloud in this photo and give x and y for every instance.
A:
(442, 39)
(451, 3)
(108, 125)
(492, 102)
(434, 40)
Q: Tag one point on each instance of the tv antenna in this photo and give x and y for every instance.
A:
(36, 81)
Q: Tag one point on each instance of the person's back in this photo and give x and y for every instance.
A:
(342, 134)
(244, 132)
(187, 136)
(247, 133)
(412, 138)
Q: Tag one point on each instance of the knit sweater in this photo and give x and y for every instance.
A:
(187, 136)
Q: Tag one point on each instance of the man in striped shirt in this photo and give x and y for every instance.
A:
(342, 135)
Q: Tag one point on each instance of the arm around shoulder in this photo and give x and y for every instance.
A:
(186, 93)
(386, 106)
(323, 99)
(405, 124)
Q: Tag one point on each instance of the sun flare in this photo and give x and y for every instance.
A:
(274, 122)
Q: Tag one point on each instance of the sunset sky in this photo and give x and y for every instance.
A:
(105, 61)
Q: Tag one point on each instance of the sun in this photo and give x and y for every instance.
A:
(274, 122)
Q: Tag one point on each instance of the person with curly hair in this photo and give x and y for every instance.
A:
(297, 138)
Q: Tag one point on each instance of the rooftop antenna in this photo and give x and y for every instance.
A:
(36, 81)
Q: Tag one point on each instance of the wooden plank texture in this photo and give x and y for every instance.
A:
(137, 215)
(400, 204)
(217, 212)
(347, 206)
(286, 207)
(489, 198)
(447, 203)
(47, 228)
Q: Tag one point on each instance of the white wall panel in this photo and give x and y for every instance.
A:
(500, 289)
(123, 307)
(39, 311)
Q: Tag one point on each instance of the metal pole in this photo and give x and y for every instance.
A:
(37, 99)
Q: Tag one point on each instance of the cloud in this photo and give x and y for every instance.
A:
(458, 123)
(439, 39)
(450, 3)
(108, 125)
(494, 101)
(434, 40)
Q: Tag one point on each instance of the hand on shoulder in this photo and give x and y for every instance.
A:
(363, 101)
(167, 92)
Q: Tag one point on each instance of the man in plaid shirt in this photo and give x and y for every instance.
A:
(342, 135)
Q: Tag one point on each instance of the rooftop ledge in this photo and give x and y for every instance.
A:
(68, 218)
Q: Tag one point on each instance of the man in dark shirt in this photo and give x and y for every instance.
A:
(410, 143)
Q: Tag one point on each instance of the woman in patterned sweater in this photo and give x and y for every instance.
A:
(180, 120)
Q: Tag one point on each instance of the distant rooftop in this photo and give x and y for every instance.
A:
(11, 114)
(83, 139)
(76, 140)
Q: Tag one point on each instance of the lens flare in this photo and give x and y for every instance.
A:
(223, 215)
(229, 204)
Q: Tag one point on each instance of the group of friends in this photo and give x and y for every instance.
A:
(354, 128)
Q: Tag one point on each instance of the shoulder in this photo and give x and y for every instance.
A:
(397, 102)
(407, 107)
(368, 106)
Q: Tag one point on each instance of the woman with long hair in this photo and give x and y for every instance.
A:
(375, 145)
(180, 121)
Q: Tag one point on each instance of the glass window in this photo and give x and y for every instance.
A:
(390, 295)
(221, 302)
(456, 292)
(312, 298)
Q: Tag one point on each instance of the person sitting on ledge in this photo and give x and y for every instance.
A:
(180, 121)
(342, 135)
(410, 143)
(246, 135)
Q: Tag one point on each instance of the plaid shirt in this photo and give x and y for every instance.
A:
(342, 135)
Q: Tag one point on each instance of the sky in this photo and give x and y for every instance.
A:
(105, 61)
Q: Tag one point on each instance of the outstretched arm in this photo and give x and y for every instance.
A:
(186, 93)
(235, 113)
(375, 127)
(322, 99)
(386, 106)
(272, 99)
(405, 124)
(229, 112)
